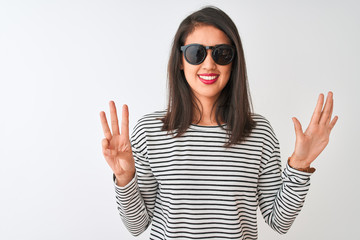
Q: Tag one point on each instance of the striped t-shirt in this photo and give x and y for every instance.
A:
(191, 187)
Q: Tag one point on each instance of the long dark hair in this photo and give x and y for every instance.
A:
(233, 106)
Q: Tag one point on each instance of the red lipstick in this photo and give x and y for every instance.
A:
(208, 78)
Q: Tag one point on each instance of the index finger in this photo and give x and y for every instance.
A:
(114, 119)
(105, 126)
(326, 113)
(317, 112)
(125, 121)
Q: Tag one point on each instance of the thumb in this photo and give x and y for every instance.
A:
(297, 126)
(105, 147)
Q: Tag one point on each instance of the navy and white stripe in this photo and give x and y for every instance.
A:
(192, 187)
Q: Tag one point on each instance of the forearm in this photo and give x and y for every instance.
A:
(131, 207)
(281, 208)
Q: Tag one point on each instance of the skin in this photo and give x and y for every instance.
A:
(206, 94)
(312, 142)
(116, 145)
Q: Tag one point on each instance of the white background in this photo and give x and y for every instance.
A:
(62, 61)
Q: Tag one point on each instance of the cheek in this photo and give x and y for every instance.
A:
(227, 72)
(190, 71)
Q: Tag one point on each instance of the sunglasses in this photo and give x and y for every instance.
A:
(195, 54)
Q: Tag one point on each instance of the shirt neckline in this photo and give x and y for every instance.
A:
(208, 126)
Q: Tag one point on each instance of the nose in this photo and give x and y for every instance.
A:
(208, 63)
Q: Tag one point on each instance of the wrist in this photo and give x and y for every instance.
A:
(300, 165)
(297, 162)
(123, 179)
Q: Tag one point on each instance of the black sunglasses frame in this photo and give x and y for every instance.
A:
(184, 48)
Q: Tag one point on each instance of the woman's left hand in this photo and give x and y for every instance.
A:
(311, 143)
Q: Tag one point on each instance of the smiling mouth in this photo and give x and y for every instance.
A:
(208, 78)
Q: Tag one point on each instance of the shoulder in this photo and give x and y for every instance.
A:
(149, 122)
(150, 119)
(261, 121)
(263, 128)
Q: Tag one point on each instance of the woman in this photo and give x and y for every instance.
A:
(200, 169)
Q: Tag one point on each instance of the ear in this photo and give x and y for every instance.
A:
(181, 66)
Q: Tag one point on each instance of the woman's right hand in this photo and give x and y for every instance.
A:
(116, 146)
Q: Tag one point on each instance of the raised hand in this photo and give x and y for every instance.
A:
(116, 146)
(312, 142)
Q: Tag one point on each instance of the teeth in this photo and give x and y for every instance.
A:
(208, 77)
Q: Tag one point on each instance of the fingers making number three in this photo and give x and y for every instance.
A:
(116, 145)
(114, 122)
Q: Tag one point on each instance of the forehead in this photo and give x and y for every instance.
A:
(207, 35)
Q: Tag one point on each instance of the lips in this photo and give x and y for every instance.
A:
(208, 78)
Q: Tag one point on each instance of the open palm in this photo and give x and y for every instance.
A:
(311, 143)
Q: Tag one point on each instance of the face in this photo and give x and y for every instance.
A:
(207, 79)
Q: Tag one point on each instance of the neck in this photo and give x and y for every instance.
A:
(207, 117)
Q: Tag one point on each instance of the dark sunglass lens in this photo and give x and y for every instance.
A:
(195, 54)
(223, 55)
